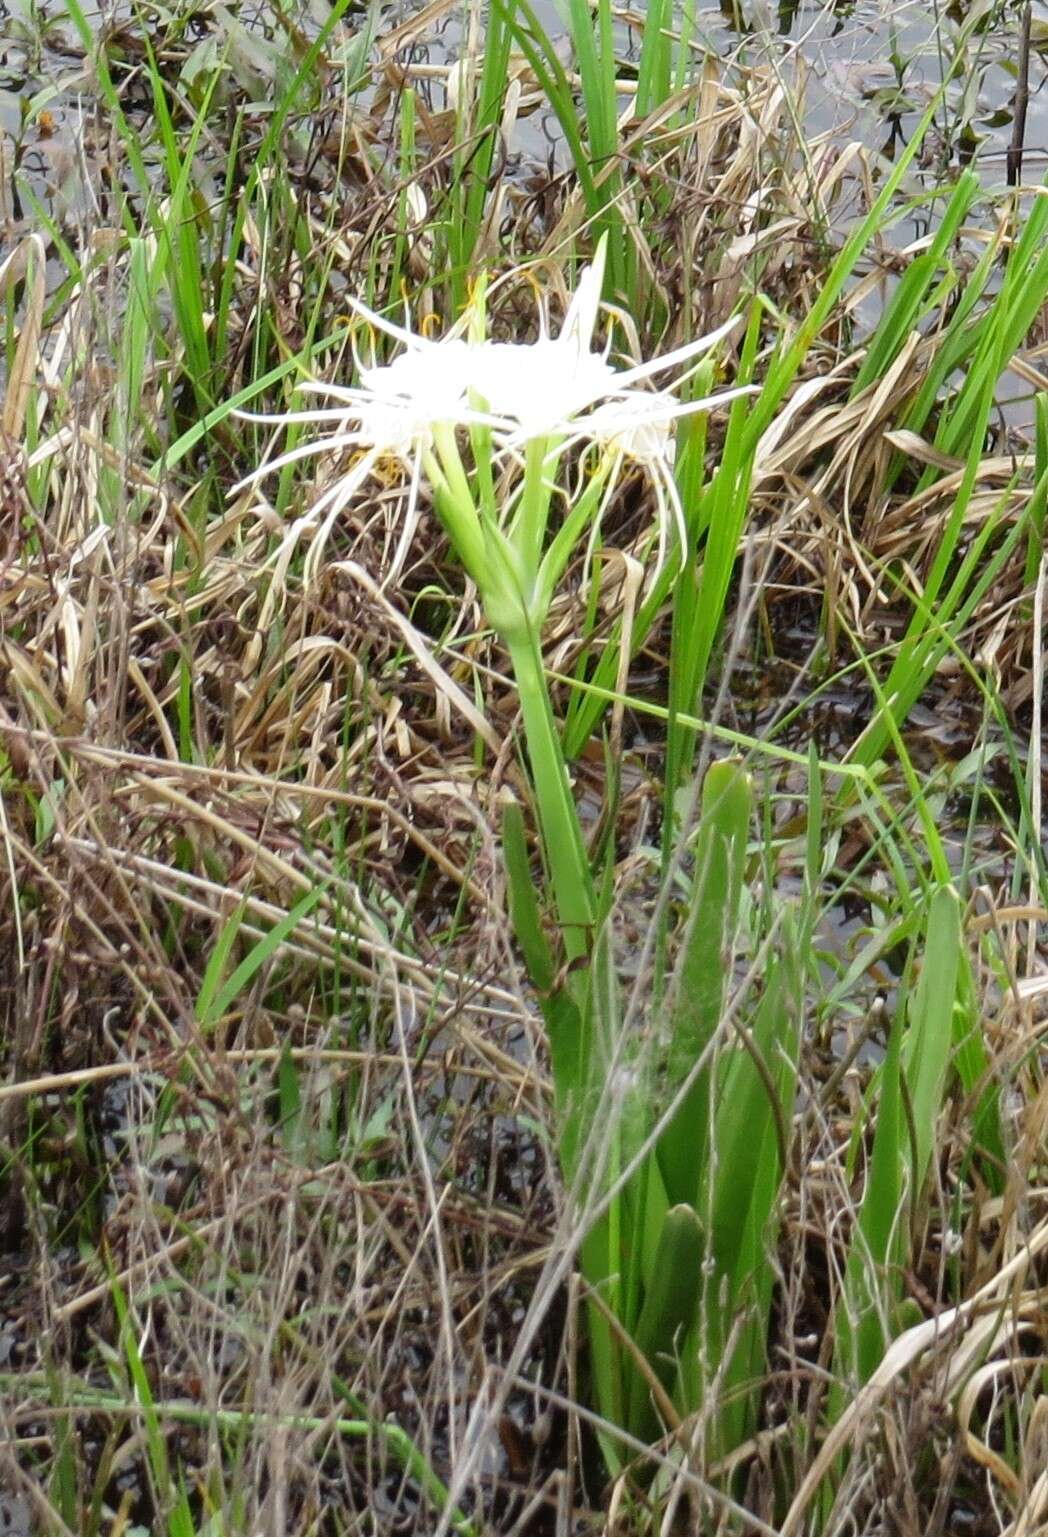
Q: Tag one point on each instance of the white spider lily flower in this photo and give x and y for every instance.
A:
(555, 393)
(556, 387)
(552, 388)
(399, 404)
(539, 389)
(559, 390)
(395, 413)
(644, 438)
(641, 432)
(394, 410)
(637, 426)
(536, 388)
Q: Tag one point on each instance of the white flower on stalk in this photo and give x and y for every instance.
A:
(537, 388)
(559, 387)
(391, 415)
(645, 439)
(398, 404)
(556, 390)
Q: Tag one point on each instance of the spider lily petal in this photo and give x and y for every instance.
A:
(581, 318)
(396, 413)
(639, 421)
(395, 408)
(679, 356)
(538, 389)
(560, 388)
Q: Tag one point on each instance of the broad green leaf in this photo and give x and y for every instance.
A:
(869, 1284)
(700, 986)
(754, 1121)
(525, 913)
(668, 1313)
(930, 1036)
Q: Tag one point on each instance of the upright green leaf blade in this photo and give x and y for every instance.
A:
(700, 986)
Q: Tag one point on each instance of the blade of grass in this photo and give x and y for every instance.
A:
(217, 997)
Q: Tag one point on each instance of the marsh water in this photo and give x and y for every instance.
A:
(868, 70)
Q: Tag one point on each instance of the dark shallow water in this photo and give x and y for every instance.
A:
(870, 70)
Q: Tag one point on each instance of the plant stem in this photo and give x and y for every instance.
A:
(530, 534)
(561, 834)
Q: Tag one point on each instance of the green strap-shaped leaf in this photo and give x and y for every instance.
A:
(698, 996)
(523, 899)
(859, 1331)
(668, 1314)
(930, 1036)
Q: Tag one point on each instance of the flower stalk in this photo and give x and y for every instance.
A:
(562, 838)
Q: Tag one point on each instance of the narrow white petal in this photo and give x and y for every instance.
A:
(680, 355)
(293, 418)
(410, 339)
(340, 440)
(598, 519)
(334, 499)
(316, 549)
(664, 474)
(621, 415)
(410, 523)
(581, 318)
(350, 393)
